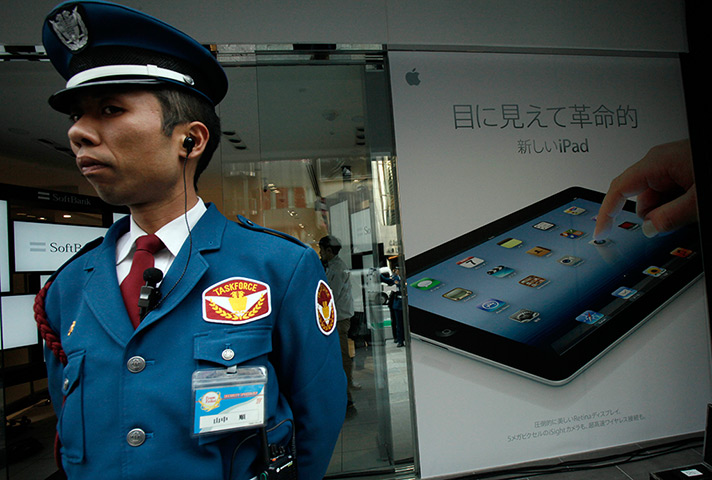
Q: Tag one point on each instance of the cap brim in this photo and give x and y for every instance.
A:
(63, 100)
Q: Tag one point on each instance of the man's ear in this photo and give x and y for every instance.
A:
(195, 140)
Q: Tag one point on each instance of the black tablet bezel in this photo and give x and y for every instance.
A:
(521, 358)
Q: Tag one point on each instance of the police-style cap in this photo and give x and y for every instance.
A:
(93, 43)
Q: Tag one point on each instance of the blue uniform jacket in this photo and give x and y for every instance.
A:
(99, 400)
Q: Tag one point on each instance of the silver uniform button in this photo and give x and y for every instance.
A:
(136, 437)
(228, 354)
(136, 364)
(65, 385)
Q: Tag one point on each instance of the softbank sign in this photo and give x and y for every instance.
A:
(45, 247)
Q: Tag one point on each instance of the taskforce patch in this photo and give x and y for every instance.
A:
(236, 300)
(325, 308)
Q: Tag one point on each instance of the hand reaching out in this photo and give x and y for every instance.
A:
(665, 187)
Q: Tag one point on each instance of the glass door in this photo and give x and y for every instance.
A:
(307, 149)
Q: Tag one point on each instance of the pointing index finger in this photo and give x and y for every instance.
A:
(629, 183)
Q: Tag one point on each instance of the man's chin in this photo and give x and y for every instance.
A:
(110, 197)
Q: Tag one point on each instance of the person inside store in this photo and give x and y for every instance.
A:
(395, 305)
(664, 183)
(339, 278)
(181, 345)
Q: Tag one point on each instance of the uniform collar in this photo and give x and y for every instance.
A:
(173, 234)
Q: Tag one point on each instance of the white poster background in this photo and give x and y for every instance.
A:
(18, 322)
(43, 247)
(4, 249)
(458, 172)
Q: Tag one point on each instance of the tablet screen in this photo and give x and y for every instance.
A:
(536, 284)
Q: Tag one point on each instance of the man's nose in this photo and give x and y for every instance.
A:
(83, 133)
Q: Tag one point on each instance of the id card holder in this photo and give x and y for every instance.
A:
(228, 399)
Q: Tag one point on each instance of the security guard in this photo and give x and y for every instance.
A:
(243, 312)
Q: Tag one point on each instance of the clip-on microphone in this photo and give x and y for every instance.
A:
(149, 294)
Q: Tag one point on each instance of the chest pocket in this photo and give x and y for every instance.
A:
(245, 345)
(233, 346)
(70, 424)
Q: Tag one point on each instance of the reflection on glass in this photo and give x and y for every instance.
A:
(309, 170)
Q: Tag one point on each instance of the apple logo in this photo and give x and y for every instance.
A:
(412, 78)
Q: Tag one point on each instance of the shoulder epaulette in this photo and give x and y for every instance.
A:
(249, 224)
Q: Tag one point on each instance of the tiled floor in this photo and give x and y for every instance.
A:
(371, 439)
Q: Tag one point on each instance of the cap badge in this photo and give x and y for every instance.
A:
(236, 300)
(70, 29)
(325, 308)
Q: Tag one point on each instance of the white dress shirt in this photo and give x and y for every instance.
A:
(173, 235)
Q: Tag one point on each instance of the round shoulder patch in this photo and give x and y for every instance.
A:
(325, 308)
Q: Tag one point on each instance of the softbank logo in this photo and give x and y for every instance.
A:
(55, 247)
(45, 247)
(40, 247)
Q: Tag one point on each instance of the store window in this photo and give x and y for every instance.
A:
(307, 150)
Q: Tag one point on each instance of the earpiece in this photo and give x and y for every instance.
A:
(188, 144)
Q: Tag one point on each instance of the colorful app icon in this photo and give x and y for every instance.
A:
(509, 243)
(624, 292)
(539, 251)
(471, 262)
(570, 260)
(525, 316)
(426, 284)
(500, 271)
(533, 281)
(544, 225)
(492, 305)
(590, 317)
(654, 271)
(628, 225)
(573, 210)
(457, 294)
(571, 233)
(681, 252)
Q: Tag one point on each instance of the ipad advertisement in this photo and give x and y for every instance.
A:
(532, 339)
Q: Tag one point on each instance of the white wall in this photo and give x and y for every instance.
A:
(634, 25)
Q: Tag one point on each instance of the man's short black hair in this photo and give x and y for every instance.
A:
(180, 106)
(331, 242)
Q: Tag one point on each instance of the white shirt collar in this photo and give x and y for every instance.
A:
(172, 234)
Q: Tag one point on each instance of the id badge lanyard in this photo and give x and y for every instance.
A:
(228, 399)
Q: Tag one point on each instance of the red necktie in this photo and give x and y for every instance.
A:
(146, 247)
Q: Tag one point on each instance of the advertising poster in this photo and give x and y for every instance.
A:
(45, 247)
(503, 160)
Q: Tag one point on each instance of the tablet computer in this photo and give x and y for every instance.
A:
(534, 294)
